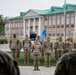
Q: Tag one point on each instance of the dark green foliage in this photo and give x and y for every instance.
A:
(3, 41)
(3, 21)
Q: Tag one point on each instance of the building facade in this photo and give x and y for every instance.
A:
(36, 20)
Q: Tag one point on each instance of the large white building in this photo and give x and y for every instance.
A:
(37, 20)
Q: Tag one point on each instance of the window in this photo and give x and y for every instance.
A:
(45, 26)
(58, 17)
(53, 26)
(62, 26)
(71, 33)
(49, 34)
(49, 26)
(54, 17)
(72, 15)
(72, 25)
(68, 16)
(57, 34)
(53, 34)
(45, 19)
(66, 33)
(62, 34)
(36, 27)
(67, 25)
(58, 26)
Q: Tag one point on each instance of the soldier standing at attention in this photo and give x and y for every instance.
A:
(55, 47)
(36, 50)
(48, 50)
(27, 48)
(59, 48)
(13, 46)
(18, 50)
(66, 46)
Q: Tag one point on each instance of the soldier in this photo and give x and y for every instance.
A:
(55, 47)
(42, 44)
(8, 66)
(71, 45)
(66, 65)
(27, 48)
(59, 48)
(19, 47)
(13, 46)
(66, 46)
(48, 50)
(36, 50)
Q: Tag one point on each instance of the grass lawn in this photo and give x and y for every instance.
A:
(21, 60)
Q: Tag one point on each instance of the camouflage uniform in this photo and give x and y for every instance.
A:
(66, 65)
(27, 48)
(55, 47)
(13, 46)
(36, 49)
(7, 65)
(66, 46)
(42, 44)
(19, 47)
(59, 48)
(48, 50)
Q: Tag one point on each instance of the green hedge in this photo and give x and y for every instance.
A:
(3, 41)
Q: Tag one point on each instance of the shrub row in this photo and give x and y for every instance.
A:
(3, 41)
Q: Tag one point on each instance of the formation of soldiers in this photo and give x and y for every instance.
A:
(40, 48)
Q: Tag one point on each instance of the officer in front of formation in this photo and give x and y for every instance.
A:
(27, 48)
(15, 46)
(8, 66)
(36, 52)
(48, 46)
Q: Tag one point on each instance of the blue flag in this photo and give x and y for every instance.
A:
(43, 34)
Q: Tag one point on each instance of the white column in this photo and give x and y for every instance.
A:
(34, 25)
(28, 27)
(24, 27)
(39, 33)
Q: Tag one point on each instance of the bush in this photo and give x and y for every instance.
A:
(3, 41)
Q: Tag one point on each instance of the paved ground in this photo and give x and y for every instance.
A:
(28, 70)
(5, 47)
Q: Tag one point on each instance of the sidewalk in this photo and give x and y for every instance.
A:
(28, 70)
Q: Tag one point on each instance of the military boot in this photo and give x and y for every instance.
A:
(34, 68)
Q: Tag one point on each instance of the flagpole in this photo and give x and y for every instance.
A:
(64, 20)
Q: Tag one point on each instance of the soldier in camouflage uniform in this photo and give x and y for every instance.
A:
(48, 50)
(42, 44)
(71, 45)
(19, 47)
(36, 51)
(55, 47)
(66, 65)
(27, 48)
(66, 46)
(59, 48)
(14, 45)
(8, 66)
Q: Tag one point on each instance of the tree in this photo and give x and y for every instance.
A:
(3, 21)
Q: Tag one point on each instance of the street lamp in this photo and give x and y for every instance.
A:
(64, 20)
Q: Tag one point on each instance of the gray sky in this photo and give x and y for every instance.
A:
(14, 7)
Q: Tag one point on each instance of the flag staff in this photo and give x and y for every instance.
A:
(64, 20)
